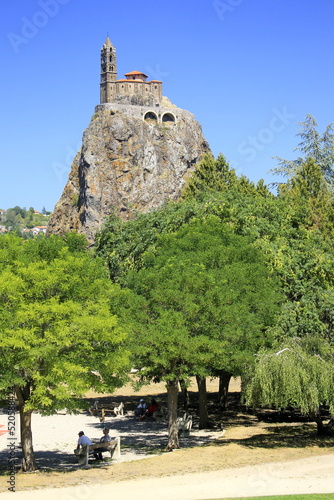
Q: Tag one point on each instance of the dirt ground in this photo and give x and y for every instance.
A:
(248, 440)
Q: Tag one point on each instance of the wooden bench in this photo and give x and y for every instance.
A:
(160, 415)
(119, 410)
(185, 424)
(100, 411)
(113, 447)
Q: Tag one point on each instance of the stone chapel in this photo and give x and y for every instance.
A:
(133, 90)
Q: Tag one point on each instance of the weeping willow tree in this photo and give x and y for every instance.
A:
(300, 375)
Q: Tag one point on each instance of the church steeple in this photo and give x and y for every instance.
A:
(108, 71)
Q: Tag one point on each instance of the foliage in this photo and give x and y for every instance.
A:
(202, 300)
(58, 337)
(301, 254)
(213, 286)
(309, 202)
(56, 324)
(313, 145)
(300, 375)
(122, 245)
(17, 219)
(250, 210)
(293, 231)
(210, 175)
(215, 175)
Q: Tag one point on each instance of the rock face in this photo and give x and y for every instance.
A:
(132, 159)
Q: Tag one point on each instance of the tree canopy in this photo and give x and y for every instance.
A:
(320, 147)
(203, 301)
(58, 337)
(300, 375)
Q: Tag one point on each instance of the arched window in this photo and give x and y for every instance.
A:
(168, 119)
(150, 117)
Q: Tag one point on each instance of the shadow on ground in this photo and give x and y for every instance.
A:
(57, 460)
(144, 438)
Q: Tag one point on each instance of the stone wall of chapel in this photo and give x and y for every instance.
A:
(110, 91)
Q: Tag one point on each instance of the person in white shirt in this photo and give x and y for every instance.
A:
(82, 441)
(141, 408)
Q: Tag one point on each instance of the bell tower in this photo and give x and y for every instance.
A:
(108, 72)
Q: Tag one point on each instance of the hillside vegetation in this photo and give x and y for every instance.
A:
(22, 221)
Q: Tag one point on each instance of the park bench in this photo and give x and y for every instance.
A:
(101, 410)
(160, 415)
(113, 447)
(119, 410)
(184, 424)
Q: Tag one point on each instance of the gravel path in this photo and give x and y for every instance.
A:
(310, 475)
(55, 437)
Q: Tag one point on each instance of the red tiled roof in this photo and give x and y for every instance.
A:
(137, 81)
(135, 73)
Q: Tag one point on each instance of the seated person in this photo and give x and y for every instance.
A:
(104, 439)
(151, 409)
(82, 441)
(141, 408)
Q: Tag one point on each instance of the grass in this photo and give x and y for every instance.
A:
(312, 496)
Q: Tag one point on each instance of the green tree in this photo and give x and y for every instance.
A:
(203, 301)
(308, 200)
(17, 219)
(58, 337)
(213, 189)
(301, 254)
(210, 175)
(313, 145)
(300, 374)
(123, 244)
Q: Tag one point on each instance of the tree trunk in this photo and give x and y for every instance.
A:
(330, 424)
(28, 458)
(316, 416)
(224, 382)
(203, 403)
(185, 394)
(172, 393)
(322, 428)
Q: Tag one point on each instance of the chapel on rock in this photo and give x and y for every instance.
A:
(135, 83)
(133, 90)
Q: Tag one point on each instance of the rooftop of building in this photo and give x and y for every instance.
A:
(133, 73)
(136, 81)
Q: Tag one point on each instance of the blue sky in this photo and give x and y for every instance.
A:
(249, 70)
